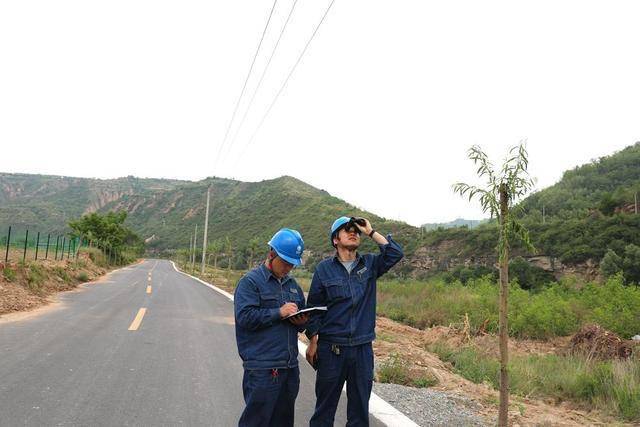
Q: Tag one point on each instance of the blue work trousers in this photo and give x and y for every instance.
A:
(337, 364)
(270, 397)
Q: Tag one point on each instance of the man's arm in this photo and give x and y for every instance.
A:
(316, 298)
(390, 254)
(390, 251)
(246, 302)
(300, 320)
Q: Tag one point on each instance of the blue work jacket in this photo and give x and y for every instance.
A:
(264, 340)
(350, 298)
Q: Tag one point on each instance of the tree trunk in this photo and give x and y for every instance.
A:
(503, 417)
(215, 261)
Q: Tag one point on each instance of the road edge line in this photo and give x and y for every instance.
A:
(208, 285)
(382, 410)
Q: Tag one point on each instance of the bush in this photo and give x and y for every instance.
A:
(62, 273)
(9, 274)
(35, 277)
(83, 277)
(528, 276)
(611, 264)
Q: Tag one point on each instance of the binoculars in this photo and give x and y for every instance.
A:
(357, 220)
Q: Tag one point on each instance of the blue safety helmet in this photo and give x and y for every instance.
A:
(289, 245)
(337, 225)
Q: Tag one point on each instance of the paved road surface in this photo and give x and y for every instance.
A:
(81, 365)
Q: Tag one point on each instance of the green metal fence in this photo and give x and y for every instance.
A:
(24, 244)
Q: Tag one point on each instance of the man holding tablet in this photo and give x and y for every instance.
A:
(267, 333)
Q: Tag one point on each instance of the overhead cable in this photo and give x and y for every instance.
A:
(264, 72)
(257, 129)
(244, 86)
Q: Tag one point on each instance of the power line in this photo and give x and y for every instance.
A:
(286, 81)
(264, 73)
(244, 86)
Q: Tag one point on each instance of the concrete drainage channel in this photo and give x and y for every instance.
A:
(378, 407)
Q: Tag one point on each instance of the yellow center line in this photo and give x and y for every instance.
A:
(149, 289)
(138, 320)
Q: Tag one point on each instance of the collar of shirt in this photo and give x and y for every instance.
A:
(268, 273)
(356, 261)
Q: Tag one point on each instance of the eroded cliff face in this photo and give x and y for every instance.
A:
(445, 257)
(102, 198)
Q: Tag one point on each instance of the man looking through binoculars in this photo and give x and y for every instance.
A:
(340, 339)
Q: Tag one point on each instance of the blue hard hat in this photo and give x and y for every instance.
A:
(337, 225)
(289, 245)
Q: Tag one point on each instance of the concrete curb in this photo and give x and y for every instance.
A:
(378, 407)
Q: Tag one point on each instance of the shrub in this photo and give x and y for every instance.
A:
(83, 277)
(9, 274)
(611, 264)
(62, 273)
(35, 277)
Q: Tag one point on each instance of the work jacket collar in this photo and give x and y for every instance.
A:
(336, 258)
(268, 273)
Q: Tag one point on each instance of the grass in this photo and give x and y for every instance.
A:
(62, 273)
(36, 276)
(611, 386)
(558, 310)
(395, 370)
(9, 274)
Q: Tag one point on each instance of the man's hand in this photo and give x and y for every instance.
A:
(288, 309)
(366, 228)
(300, 319)
(312, 351)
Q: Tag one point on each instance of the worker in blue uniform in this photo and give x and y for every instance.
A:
(267, 342)
(340, 339)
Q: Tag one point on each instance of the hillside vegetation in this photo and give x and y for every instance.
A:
(165, 212)
(590, 211)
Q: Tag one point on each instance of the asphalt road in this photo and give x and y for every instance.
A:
(85, 363)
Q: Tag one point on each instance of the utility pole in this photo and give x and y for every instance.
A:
(635, 202)
(206, 228)
(195, 245)
(190, 251)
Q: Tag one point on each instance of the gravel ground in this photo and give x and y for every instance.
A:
(430, 407)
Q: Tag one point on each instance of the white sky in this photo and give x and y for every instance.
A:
(380, 112)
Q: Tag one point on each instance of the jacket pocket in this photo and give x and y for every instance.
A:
(337, 290)
(269, 301)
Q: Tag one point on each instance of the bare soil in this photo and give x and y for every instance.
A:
(26, 286)
(410, 344)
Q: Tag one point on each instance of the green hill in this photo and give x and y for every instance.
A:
(590, 210)
(165, 212)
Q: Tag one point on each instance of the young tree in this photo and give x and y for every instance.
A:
(631, 264)
(228, 249)
(498, 198)
(611, 264)
(214, 249)
(254, 247)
